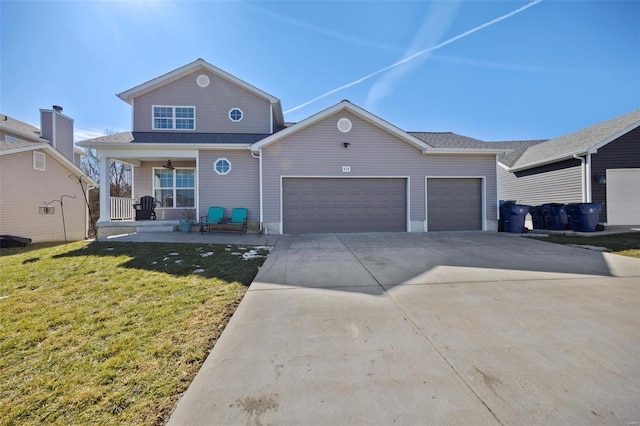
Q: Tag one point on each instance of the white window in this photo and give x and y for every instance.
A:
(222, 166)
(174, 117)
(235, 114)
(39, 160)
(174, 188)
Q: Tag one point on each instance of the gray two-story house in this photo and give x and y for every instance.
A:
(202, 137)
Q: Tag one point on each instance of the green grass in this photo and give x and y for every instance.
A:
(624, 244)
(110, 333)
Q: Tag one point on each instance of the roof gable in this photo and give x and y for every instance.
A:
(342, 106)
(200, 64)
(8, 150)
(578, 143)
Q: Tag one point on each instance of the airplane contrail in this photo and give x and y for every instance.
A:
(415, 55)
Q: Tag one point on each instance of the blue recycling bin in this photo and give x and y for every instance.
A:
(512, 217)
(537, 217)
(555, 216)
(584, 217)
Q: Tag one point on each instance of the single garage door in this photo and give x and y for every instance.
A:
(312, 205)
(623, 197)
(454, 204)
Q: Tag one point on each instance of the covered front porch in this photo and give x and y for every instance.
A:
(167, 175)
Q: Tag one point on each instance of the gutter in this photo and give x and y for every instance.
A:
(143, 145)
(21, 134)
(550, 161)
(454, 151)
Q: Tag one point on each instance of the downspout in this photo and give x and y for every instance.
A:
(582, 176)
(587, 177)
(259, 157)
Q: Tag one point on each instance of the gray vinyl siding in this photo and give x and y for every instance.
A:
(623, 153)
(143, 185)
(239, 188)
(556, 183)
(64, 136)
(60, 133)
(46, 125)
(318, 151)
(212, 105)
(24, 190)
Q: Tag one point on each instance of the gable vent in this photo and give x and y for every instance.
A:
(344, 125)
(202, 80)
(38, 160)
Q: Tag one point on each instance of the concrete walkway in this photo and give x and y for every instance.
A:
(441, 328)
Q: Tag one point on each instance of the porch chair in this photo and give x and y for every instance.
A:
(145, 209)
(239, 219)
(215, 217)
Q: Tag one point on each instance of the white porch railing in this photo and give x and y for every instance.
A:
(122, 208)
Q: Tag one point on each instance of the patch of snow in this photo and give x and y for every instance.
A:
(165, 259)
(198, 271)
(252, 254)
(207, 254)
(265, 248)
(179, 261)
(110, 248)
(236, 253)
(227, 249)
(173, 254)
(154, 262)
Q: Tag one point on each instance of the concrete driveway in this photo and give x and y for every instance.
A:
(441, 328)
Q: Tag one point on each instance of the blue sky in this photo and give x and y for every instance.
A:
(547, 70)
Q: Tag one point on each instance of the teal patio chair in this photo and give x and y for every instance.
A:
(215, 217)
(239, 219)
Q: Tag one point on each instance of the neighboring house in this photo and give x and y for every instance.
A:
(36, 168)
(340, 170)
(599, 164)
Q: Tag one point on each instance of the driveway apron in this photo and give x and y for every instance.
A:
(438, 328)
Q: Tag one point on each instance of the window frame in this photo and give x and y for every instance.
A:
(215, 166)
(173, 117)
(174, 187)
(235, 109)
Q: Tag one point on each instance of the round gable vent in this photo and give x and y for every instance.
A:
(202, 80)
(344, 125)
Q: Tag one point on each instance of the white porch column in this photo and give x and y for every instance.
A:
(105, 190)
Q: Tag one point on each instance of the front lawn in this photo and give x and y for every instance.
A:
(111, 333)
(624, 244)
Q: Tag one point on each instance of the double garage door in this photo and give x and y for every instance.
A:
(316, 205)
(312, 205)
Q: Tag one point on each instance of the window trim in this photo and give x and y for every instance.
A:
(39, 157)
(235, 109)
(173, 117)
(174, 187)
(215, 166)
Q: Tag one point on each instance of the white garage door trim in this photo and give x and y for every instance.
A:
(483, 196)
(283, 177)
(623, 196)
